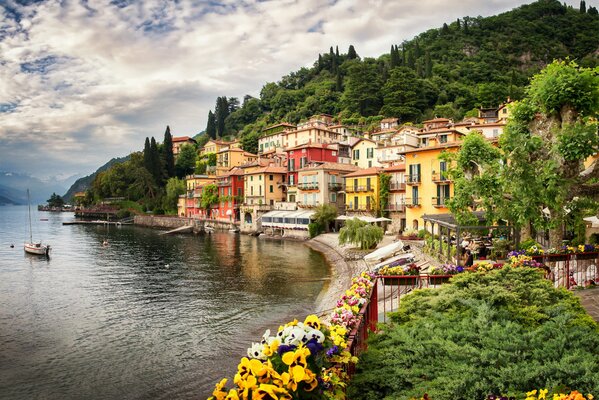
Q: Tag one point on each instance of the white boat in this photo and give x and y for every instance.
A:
(31, 247)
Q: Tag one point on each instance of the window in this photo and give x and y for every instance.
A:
(355, 185)
(355, 202)
(270, 177)
(292, 180)
(424, 142)
(271, 189)
(415, 195)
(305, 198)
(369, 164)
(260, 177)
(333, 197)
(369, 153)
(356, 155)
(334, 153)
(443, 139)
(291, 166)
(252, 178)
(260, 190)
(252, 190)
(239, 192)
(367, 183)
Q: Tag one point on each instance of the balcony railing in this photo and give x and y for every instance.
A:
(413, 202)
(308, 205)
(439, 201)
(307, 185)
(359, 207)
(335, 186)
(396, 207)
(440, 177)
(413, 179)
(397, 186)
(224, 182)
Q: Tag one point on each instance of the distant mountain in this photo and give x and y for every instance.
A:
(13, 187)
(82, 184)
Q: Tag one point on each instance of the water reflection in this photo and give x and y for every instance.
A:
(149, 316)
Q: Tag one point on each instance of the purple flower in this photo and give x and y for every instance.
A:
(284, 348)
(333, 350)
(314, 346)
(460, 269)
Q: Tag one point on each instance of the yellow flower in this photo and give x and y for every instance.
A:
(270, 392)
(232, 395)
(312, 321)
(246, 385)
(270, 349)
(219, 393)
(543, 394)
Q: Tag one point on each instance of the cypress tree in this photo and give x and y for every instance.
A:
(428, 65)
(221, 112)
(394, 57)
(458, 24)
(147, 155)
(411, 60)
(583, 7)
(211, 125)
(403, 55)
(319, 66)
(338, 82)
(156, 167)
(351, 52)
(337, 52)
(445, 29)
(168, 157)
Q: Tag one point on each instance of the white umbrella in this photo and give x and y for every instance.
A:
(593, 220)
(342, 217)
(382, 219)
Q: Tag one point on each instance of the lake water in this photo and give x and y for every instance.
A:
(148, 317)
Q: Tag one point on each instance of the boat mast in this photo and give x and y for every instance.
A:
(29, 205)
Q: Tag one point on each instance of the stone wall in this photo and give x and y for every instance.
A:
(172, 222)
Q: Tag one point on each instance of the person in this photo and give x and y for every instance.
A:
(482, 252)
(469, 259)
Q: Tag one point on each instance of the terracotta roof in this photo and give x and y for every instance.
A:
(441, 146)
(183, 139)
(436, 120)
(269, 169)
(332, 146)
(400, 167)
(332, 165)
(483, 125)
(276, 125)
(234, 171)
(364, 139)
(365, 172)
(439, 130)
(390, 120)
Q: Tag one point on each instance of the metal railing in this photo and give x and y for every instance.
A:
(413, 202)
(396, 207)
(571, 270)
(307, 185)
(335, 186)
(440, 177)
(397, 186)
(413, 179)
(439, 201)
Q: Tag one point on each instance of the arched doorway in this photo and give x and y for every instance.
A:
(247, 218)
(415, 225)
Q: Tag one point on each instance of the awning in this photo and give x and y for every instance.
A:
(382, 219)
(287, 219)
(593, 220)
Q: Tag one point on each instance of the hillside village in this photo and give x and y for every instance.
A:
(300, 167)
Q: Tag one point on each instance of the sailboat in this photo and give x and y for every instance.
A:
(31, 247)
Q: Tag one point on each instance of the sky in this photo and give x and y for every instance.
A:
(83, 81)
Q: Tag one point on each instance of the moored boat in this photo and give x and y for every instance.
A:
(31, 247)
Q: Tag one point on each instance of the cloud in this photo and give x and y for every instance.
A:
(84, 81)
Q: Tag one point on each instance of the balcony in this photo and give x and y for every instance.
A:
(308, 205)
(413, 202)
(224, 182)
(335, 186)
(440, 177)
(307, 185)
(439, 202)
(397, 186)
(413, 179)
(396, 207)
(355, 188)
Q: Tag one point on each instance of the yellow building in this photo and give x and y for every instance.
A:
(364, 153)
(230, 157)
(427, 185)
(264, 184)
(362, 191)
(214, 146)
(323, 184)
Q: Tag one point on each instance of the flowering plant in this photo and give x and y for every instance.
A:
(516, 253)
(542, 395)
(487, 266)
(446, 269)
(301, 356)
(535, 251)
(524, 261)
(410, 269)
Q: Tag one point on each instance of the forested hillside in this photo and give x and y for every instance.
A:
(448, 72)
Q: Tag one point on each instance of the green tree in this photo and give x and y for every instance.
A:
(186, 161)
(384, 188)
(550, 135)
(323, 216)
(394, 57)
(174, 188)
(55, 201)
(221, 112)
(401, 95)
(156, 166)
(209, 198)
(360, 233)
(362, 88)
(351, 53)
(211, 125)
(168, 158)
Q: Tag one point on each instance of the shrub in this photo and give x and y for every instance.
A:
(503, 331)
(360, 233)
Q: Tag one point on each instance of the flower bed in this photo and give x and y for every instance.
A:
(303, 360)
(407, 275)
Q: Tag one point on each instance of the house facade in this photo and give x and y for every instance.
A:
(302, 156)
(364, 153)
(323, 184)
(362, 191)
(230, 191)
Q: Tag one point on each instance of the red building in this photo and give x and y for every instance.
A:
(300, 156)
(230, 191)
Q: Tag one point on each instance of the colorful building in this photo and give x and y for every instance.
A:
(263, 185)
(230, 192)
(323, 184)
(427, 185)
(302, 156)
(272, 137)
(229, 157)
(315, 130)
(364, 153)
(194, 184)
(362, 191)
(214, 146)
(178, 142)
(396, 206)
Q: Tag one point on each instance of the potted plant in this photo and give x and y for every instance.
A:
(442, 273)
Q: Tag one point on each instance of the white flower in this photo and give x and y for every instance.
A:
(256, 351)
(296, 336)
(316, 334)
